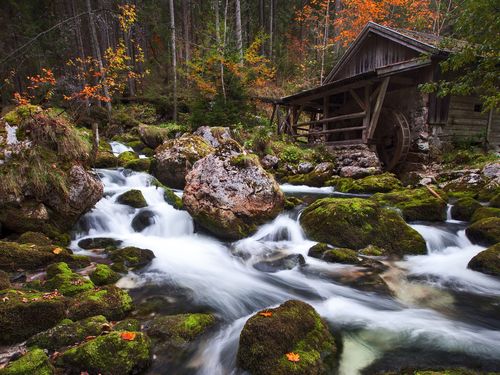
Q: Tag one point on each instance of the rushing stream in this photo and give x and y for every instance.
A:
(436, 307)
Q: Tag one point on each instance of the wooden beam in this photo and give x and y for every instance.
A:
(331, 131)
(333, 119)
(368, 107)
(357, 99)
(374, 93)
(272, 116)
(378, 107)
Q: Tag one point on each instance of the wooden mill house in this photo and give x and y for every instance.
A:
(372, 97)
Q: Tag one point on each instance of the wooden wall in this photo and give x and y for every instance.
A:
(375, 52)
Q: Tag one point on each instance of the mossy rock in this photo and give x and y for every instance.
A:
(110, 301)
(333, 255)
(24, 313)
(178, 330)
(169, 195)
(132, 198)
(34, 362)
(4, 280)
(132, 257)
(487, 261)
(60, 277)
(21, 113)
(109, 354)
(292, 202)
(14, 256)
(139, 165)
(355, 223)
(416, 204)
(318, 177)
(106, 159)
(484, 232)
(36, 238)
(127, 156)
(489, 190)
(104, 275)
(382, 183)
(293, 327)
(371, 250)
(69, 333)
(78, 262)
(127, 325)
(464, 208)
(484, 213)
(495, 201)
(99, 243)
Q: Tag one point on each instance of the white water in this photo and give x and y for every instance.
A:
(222, 277)
(119, 148)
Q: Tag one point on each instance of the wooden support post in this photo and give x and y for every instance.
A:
(368, 106)
(357, 99)
(378, 107)
(326, 111)
(272, 116)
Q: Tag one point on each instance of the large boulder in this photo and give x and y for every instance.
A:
(132, 198)
(484, 232)
(33, 362)
(214, 135)
(356, 223)
(382, 183)
(333, 255)
(464, 208)
(416, 204)
(230, 194)
(317, 177)
(487, 261)
(24, 313)
(484, 213)
(290, 339)
(175, 158)
(115, 353)
(68, 283)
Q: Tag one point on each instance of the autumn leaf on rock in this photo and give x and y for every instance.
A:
(293, 357)
(57, 250)
(129, 336)
(267, 314)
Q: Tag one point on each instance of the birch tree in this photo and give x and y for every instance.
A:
(174, 58)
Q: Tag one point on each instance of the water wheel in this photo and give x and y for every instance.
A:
(392, 138)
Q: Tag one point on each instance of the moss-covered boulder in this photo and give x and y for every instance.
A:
(115, 353)
(495, 201)
(175, 158)
(355, 223)
(317, 177)
(132, 198)
(333, 255)
(132, 257)
(416, 204)
(106, 159)
(484, 232)
(69, 333)
(24, 313)
(153, 136)
(176, 331)
(104, 275)
(127, 157)
(484, 213)
(99, 243)
(35, 238)
(294, 327)
(292, 202)
(464, 208)
(382, 183)
(489, 190)
(4, 280)
(139, 165)
(60, 277)
(14, 256)
(33, 362)
(169, 195)
(127, 325)
(487, 261)
(110, 301)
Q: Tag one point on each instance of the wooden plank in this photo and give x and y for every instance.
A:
(357, 99)
(272, 116)
(368, 107)
(334, 119)
(331, 131)
(378, 107)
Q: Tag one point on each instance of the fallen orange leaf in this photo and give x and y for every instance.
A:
(267, 314)
(129, 336)
(293, 357)
(57, 250)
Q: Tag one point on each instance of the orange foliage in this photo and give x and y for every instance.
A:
(128, 336)
(266, 314)
(293, 357)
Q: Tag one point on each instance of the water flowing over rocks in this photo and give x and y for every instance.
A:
(230, 194)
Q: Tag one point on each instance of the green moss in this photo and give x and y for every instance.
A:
(106, 159)
(371, 250)
(25, 312)
(355, 223)
(333, 255)
(132, 198)
(487, 261)
(180, 329)
(4, 280)
(67, 282)
(109, 354)
(169, 195)
(484, 232)
(416, 204)
(495, 201)
(485, 212)
(127, 156)
(110, 301)
(127, 325)
(292, 327)
(464, 208)
(133, 257)
(104, 275)
(382, 183)
(69, 333)
(33, 362)
(139, 165)
(21, 113)
(292, 202)
(36, 238)
(244, 160)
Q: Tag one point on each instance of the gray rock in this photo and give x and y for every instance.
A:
(285, 263)
(213, 135)
(269, 161)
(305, 167)
(491, 170)
(143, 220)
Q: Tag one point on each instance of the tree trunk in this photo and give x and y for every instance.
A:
(185, 21)
(97, 50)
(338, 8)
(271, 27)
(239, 37)
(325, 41)
(174, 58)
(261, 23)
